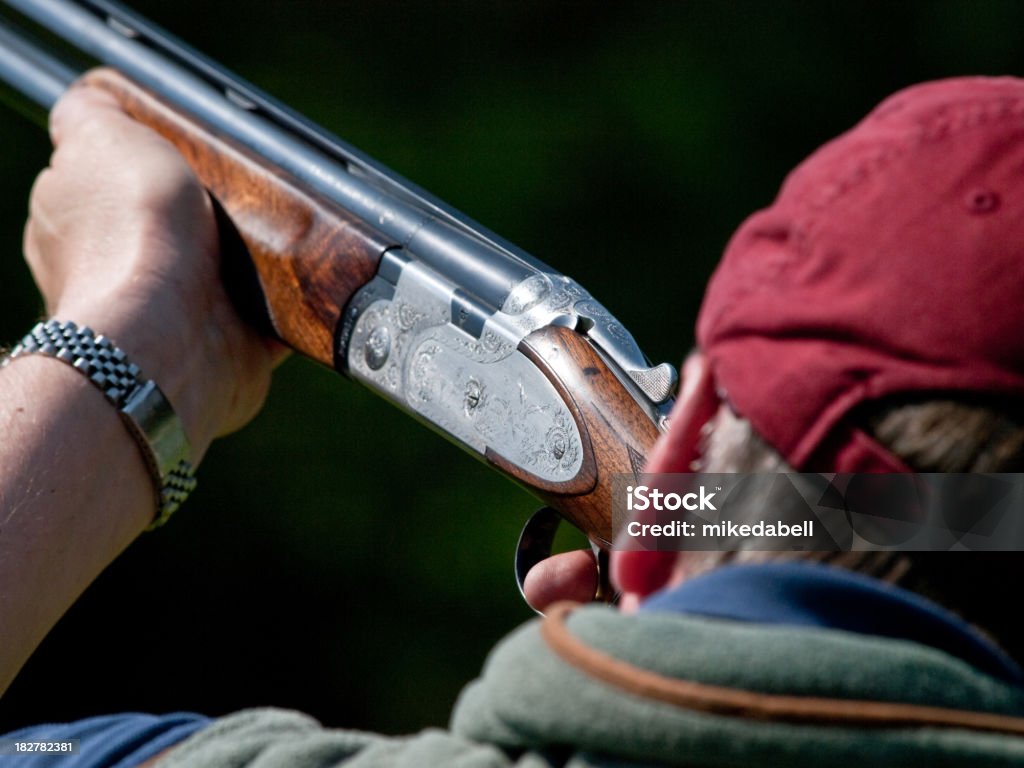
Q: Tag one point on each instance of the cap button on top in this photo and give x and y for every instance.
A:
(981, 200)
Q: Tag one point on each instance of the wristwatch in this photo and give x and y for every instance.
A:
(144, 409)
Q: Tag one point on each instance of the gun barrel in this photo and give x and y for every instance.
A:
(488, 270)
(30, 70)
(363, 271)
(194, 84)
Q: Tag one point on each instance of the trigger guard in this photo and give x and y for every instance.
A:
(535, 543)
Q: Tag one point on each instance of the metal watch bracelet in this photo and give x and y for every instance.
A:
(143, 408)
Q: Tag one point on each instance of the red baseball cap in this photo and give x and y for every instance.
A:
(891, 262)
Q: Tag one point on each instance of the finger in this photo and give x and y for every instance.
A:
(90, 129)
(79, 105)
(567, 576)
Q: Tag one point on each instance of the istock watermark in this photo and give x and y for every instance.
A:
(643, 497)
(819, 512)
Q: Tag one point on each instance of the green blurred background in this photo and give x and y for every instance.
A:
(338, 557)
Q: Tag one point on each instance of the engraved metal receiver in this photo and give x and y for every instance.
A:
(424, 341)
(363, 270)
(439, 332)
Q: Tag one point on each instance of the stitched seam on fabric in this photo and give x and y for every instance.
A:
(753, 705)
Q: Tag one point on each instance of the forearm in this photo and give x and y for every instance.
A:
(74, 492)
(136, 259)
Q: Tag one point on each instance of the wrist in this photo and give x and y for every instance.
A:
(169, 353)
(142, 406)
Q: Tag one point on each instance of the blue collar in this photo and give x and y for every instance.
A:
(814, 595)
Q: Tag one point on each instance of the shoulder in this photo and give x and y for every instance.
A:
(276, 737)
(107, 741)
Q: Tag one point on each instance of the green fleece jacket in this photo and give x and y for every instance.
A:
(709, 693)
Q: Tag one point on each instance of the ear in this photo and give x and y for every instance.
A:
(695, 406)
(638, 574)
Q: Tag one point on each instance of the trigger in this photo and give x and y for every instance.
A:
(605, 592)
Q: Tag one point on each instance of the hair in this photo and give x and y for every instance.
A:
(929, 436)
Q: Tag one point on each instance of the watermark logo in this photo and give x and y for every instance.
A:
(642, 498)
(819, 512)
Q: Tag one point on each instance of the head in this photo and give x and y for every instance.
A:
(870, 320)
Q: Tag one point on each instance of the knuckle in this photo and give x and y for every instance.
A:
(40, 191)
(40, 204)
(170, 187)
(93, 128)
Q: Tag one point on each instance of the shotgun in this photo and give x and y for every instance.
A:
(359, 269)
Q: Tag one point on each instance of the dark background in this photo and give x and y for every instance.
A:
(338, 557)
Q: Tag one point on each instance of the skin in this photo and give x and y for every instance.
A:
(136, 258)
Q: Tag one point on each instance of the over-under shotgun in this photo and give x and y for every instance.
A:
(362, 271)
